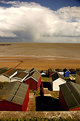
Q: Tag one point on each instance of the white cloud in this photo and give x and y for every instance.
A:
(33, 22)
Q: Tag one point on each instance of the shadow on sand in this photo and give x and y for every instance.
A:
(47, 85)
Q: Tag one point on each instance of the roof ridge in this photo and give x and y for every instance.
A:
(16, 91)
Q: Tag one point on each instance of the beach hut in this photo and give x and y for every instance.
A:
(56, 83)
(78, 77)
(72, 77)
(66, 73)
(4, 78)
(55, 76)
(43, 73)
(14, 97)
(20, 76)
(11, 73)
(69, 96)
(72, 71)
(33, 80)
(50, 72)
(3, 70)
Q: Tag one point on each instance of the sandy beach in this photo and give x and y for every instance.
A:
(40, 55)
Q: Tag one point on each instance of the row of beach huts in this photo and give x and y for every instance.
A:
(14, 96)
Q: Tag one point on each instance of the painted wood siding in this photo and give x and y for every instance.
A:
(9, 106)
(75, 109)
(26, 100)
(32, 83)
(39, 83)
(62, 102)
(66, 74)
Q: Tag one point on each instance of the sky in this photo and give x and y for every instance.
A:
(40, 21)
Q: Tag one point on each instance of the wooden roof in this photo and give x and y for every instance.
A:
(59, 70)
(21, 75)
(10, 72)
(32, 70)
(78, 72)
(3, 70)
(35, 75)
(14, 92)
(55, 76)
(71, 93)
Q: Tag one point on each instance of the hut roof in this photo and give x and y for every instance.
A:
(10, 72)
(55, 76)
(20, 70)
(14, 92)
(59, 70)
(78, 72)
(33, 70)
(36, 75)
(21, 75)
(3, 70)
(71, 93)
(72, 70)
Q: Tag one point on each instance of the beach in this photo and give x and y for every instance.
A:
(40, 55)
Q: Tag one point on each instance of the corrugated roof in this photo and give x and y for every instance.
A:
(14, 92)
(21, 75)
(71, 93)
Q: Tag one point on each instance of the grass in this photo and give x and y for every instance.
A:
(36, 92)
(54, 94)
(45, 79)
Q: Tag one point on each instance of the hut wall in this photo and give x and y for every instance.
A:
(62, 102)
(75, 109)
(39, 83)
(26, 100)
(9, 106)
(32, 83)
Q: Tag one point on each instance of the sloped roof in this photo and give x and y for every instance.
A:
(20, 75)
(59, 70)
(71, 93)
(54, 76)
(3, 70)
(20, 70)
(10, 72)
(60, 79)
(35, 75)
(72, 70)
(78, 72)
(14, 92)
(33, 70)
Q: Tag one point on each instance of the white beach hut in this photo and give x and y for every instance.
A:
(56, 83)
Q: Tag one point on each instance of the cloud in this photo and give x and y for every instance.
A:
(32, 22)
